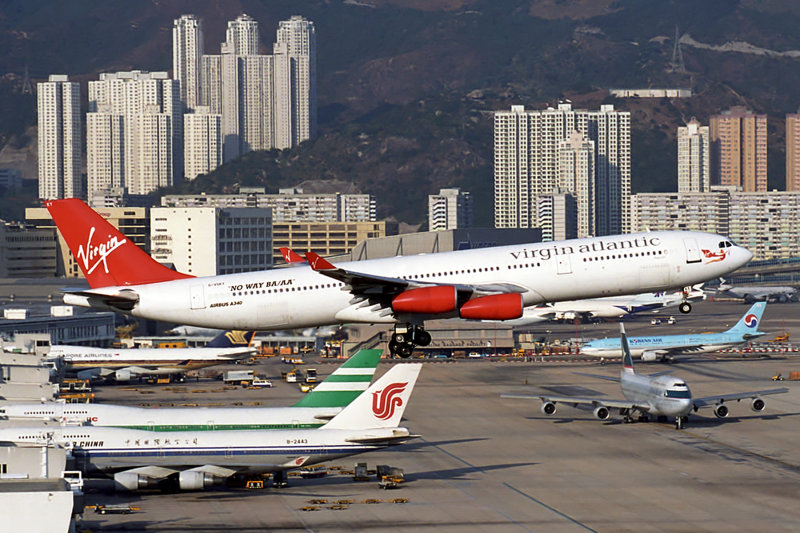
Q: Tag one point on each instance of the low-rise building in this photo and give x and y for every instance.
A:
(27, 251)
(209, 241)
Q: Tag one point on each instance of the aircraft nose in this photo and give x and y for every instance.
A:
(743, 256)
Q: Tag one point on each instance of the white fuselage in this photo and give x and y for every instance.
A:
(156, 360)
(543, 272)
(174, 419)
(106, 450)
(666, 395)
(694, 343)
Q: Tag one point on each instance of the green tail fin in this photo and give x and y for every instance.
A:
(346, 383)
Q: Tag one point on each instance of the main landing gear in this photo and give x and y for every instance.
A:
(405, 337)
(685, 307)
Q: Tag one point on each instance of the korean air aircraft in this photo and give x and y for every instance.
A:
(665, 346)
(659, 395)
(317, 407)
(481, 284)
(193, 460)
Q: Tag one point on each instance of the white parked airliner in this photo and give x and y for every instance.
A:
(481, 284)
(192, 460)
(123, 364)
(659, 395)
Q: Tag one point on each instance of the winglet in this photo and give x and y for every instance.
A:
(290, 256)
(318, 263)
(627, 360)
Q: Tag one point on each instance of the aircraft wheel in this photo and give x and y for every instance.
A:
(422, 337)
(685, 308)
(404, 350)
(679, 423)
(393, 346)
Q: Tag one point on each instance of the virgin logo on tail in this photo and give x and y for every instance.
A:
(98, 252)
(384, 402)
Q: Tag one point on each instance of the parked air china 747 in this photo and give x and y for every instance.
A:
(192, 460)
(481, 284)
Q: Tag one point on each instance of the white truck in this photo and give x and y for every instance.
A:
(243, 377)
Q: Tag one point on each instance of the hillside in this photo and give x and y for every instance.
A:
(406, 89)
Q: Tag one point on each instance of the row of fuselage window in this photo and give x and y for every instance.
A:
(625, 256)
(451, 273)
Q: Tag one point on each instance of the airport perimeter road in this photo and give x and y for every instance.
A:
(486, 463)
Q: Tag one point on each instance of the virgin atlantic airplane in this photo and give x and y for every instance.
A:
(482, 284)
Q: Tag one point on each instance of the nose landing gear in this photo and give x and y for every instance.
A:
(405, 337)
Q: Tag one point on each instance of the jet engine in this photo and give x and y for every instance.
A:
(91, 373)
(122, 375)
(507, 306)
(649, 356)
(721, 410)
(757, 405)
(194, 480)
(426, 300)
(131, 481)
(549, 408)
(601, 413)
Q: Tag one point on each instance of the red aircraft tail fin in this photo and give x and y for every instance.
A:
(105, 256)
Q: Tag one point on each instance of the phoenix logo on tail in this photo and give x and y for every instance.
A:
(384, 402)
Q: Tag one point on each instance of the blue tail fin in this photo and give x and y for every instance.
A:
(627, 360)
(232, 339)
(748, 324)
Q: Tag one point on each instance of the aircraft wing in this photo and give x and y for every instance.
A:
(712, 400)
(575, 401)
(374, 286)
(598, 376)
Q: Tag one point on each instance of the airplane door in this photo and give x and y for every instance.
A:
(692, 251)
(564, 264)
(198, 297)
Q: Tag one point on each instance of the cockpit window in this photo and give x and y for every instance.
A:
(679, 385)
(678, 394)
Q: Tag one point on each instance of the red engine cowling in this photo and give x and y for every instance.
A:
(494, 307)
(426, 300)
